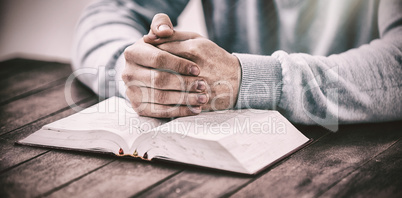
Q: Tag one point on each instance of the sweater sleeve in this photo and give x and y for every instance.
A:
(104, 30)
(360, 85)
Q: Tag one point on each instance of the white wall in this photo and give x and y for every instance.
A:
(43, 29)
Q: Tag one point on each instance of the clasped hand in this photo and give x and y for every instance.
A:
(173, 74)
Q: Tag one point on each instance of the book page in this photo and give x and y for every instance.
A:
(207, 125)
(267, 136)
(236, 140)
(189, 150)
(113, 115)
(102, 141)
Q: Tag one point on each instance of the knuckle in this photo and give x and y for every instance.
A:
(127, 77)
(203, 43)
(193, 49)
(135, 104)
(181, 67)
(129, 53)
(160, 79)
(159, 58)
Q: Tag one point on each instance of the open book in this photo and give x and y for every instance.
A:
(243, 141)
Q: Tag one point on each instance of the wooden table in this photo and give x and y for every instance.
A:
(359, 160)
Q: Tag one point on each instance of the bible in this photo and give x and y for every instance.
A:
(243, 141)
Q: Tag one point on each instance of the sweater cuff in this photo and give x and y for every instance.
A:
(261, 82)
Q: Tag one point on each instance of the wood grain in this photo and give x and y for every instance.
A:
(12, 67)
(12, 155)
(315, 169)
(26, 110)
(379, 177)
(47, 172)
(121, 178)
(32, 78)
(197, 183)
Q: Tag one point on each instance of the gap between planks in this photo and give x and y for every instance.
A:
(34, 91)
(49, 115)
(357, 168)
(75, 179)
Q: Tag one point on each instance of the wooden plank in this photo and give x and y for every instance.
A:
(11, 67)
(12, 155)
(194, 182)
(380, 177)
(121, 178)
(47, 172)
(26, 110)
(197, 183)
(315, 169)
(32, 78)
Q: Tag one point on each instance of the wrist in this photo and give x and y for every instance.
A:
(236, 80)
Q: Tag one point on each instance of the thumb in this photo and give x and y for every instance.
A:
(161, 26)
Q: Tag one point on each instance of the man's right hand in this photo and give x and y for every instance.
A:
(160, 84)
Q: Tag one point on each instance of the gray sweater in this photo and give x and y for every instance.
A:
(317, 62)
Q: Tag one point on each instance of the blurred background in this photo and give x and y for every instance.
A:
(43, 29)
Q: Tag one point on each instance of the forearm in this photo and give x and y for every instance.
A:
(105, 29)
(359, 85)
